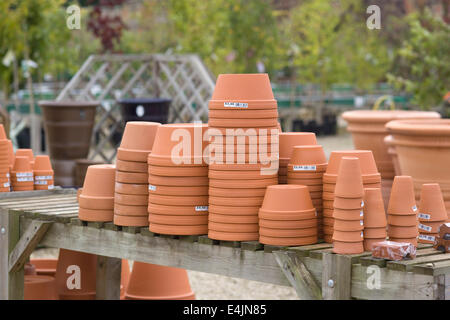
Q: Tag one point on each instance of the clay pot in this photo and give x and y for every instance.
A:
(98, 188)
(341, 247)
(87, 264)
(368, 243)
(402, 200)
(243, 114)
(125, 210)
(124, 278)
(233, 227)
(242, 184)
(174, 191)
(26, 153)
(348, 214)
(86, 214)
(224, 218)
(402, 220)
(242, 201)
(374, 233)
(178, 200)
(349, 181)
(288, 233)
(427, 238)
(80, 170)
(177, 210)
(137, 140)
(42, 169)
(45, 267)
(233, 210)
(432, 206)
(232, 236)
(374, 214)
(430, 227)
(172, 220)
(131, 199)
(287, 198)
(178, 230)
(177, 181)
(348, 236)
(178, 171)
(389, 142)
(96, 203)
(241, 174)
(131, 221)
(238, 193)
(312, 155)
(173, 161)
(369, 169)
(154, 282)
(368, 132)
(287, 215)
(132, 166)
(348, 203)
(131, 177)
(288, 241)
(130, 188)
(348, 225)
(311, 178)
(288, 140)
(39, 287)
(242, 123)
(290, 224)
(402, 231)
(22, 175)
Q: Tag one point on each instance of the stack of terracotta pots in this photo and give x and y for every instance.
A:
(10, 155)
(287, 141)
(178, 180)
(348, 235)
(306, 167)
(4, 161)
(26, 153)
(374, 218)
(131, 189)
(243, 131)
(154, 282)
(402, 211)
(96, 201)
(370, 176)
(287, 216)
(432, 212)
(43, 173)
(22, 175)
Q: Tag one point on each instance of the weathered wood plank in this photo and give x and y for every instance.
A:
(29, 194)
(112, 226)
(108, 278)
(433, 268)
(336, 276)
(305, 250)
(36, 200)
(206, 240)
(270, 248)
(407, 265)
(252, 245)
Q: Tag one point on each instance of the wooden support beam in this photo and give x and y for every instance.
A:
(336, 276)
(108, 278)
(298, 275)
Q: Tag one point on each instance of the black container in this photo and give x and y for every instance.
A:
(145, 109)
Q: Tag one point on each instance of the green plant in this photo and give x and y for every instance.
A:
(424, 60)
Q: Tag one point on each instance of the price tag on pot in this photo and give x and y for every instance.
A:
(201, 208)
(362, 234)
(24, 174)
(424, 227)
(7, 174)
(40, 182)
(304, 168)
(361, 222)
(424, 216)
(151, 187)
(25, 179)
(426, 237)
(361, 213)
(362, 204)
(50, 187)
(43, 178)
(6, 185)
(414, 208)
(235, 105)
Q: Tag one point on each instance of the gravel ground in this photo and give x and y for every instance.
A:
(210, 286)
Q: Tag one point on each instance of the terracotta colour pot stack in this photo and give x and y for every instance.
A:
(71, 263)
(26, 153)
(39, 287)
(423, 149)
(45, 267)
(178, 180)
(43, 173)
(4, 161)
(154, 282)
(370, 176)
(287, 141)
(348, 235)
(243, 130)
(22, 175)
(374, 218)
(432, 212)
(402, 211)
(131, 189)
(287, 216)
(306, 167)
(96, 200)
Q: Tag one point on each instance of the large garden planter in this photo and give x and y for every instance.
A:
(145, 109)
(423, 148)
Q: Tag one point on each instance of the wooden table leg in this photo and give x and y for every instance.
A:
(108, 278)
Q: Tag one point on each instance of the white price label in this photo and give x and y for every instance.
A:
(24, 174)
(362, 234)
(6, 185)
(50, 187)
(424, 227)
(361, 213)
(25, 179)
(43, 178)
(235, 105)
(40, 182)
(414, 208)
(362, 204)
(424, 216)
(305, 168)
(151, 187)
(426, 237)
(201, 208)
(361, 222)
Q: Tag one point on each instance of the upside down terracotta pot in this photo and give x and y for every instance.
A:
(43, 173)
(39, 287)
(81, 166)
(432, 212)
(26, 153)
(137, 140)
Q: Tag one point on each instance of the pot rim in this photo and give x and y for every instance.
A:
(383, 116)
(419, 127)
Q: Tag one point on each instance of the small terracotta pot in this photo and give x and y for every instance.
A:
(178, 171)
(178, 230)
(288, 233)
(238, 193)
(232, 236)
(413, 240)
(177, 210)
(341, 247)
(22, 164)
(97, 203)
(233, 227)
(154, 282)
(348, 203)
(242, 184)
(430, 227)
(243, 114)
(99, 181)
(348, 236)
(130, 221)
(129, 188)
(288, 241)
(242, 87)
(87, 264)
(374, 233)
(176, 191)
(131, 199)
(39, 287)
(368, 243)
(271, 167)
(287, 198)
(87, 214)
(432, 206)
(45, 267)
(124, 210)
(242, 201)
(42, 166)
(241, 174)
(308, 155)
(131, 177)
(402, 232)
(178, 220)
(26, 153)
(178, 181)
(233, 210)
(131, 166)
(402, 200)
(348, 225)
(402, 220)
(178, 200)
(224, 218)
(374, 214)
(134, 147)
(367, 162)
(349, 181)
(288, 140)
(240, 160)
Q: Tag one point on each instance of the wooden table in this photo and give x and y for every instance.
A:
(50, 218)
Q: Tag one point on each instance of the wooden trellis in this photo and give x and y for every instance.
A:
(108, 78)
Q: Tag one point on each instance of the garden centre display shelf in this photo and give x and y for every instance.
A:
(50, 218)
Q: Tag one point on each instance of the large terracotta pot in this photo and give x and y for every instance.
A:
(423, 149)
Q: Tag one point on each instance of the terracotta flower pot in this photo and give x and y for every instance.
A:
(369, 169)
(178, 230)
(126, 210)
(131, 177)
(174, 191)
(348, 236)
(124, 278)
(368, 243)
(244, 202)
(316, 183)
(292, 224)
(348, 225)
(241, 174)
(243, 114)
(26, 153)
(175, 161)
(178, 171)
(308, 158)
(224, 218)
(402, 200)
(233, 227)
(39, 287)
(288, 233)
(131, 199)
(130, 221)
(45, 267)
(43, 172)
(99, 181)
(368, 132)
(432, 206)
(429, 238)
(423, 141)
(287, 198)
(402, 231)
(154, 282)
(177, 181)
(287, 215)
(87, 264)
(132, 166)
(238, 193)
(87, 214)
(348, 203)
(242, 184)
(134, 147)
(288, 140)
(430, 227)
(130, 188)
(178, 200)
(233, 210)
(177, 210)
(178, 220)
(374, 214)
(288, 241)
(310, 177)
(233, 236)
(243, 123)
(341, 247)
(349, 181)
(348, 214)
(96, 203)
(374, 233)
(389, 142)
(402, 220)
